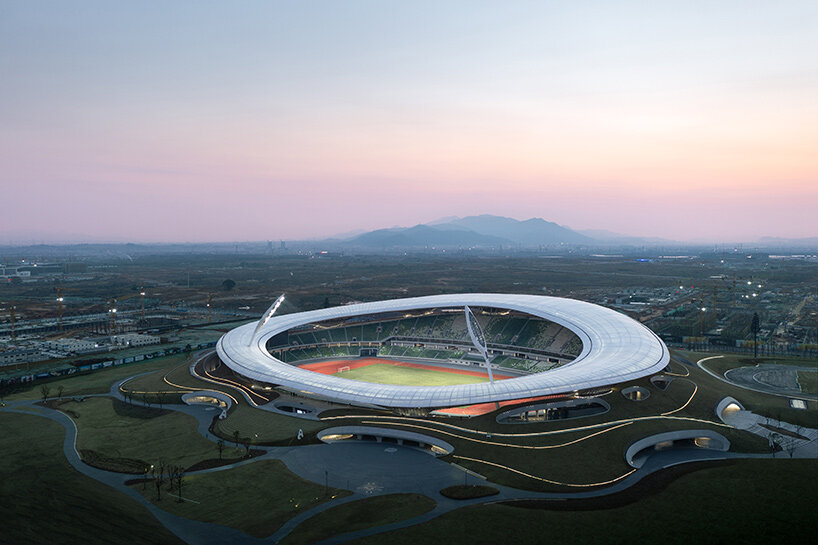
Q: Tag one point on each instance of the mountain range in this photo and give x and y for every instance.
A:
(484, 230)
(492, 231)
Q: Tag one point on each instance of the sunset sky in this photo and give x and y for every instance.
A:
(217, 121)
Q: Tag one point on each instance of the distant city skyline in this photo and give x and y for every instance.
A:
(154, 122)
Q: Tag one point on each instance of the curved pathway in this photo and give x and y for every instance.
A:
(746, 379)
(190, 531)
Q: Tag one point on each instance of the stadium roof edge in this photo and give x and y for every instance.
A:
(616, 349)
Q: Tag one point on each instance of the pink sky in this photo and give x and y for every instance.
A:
(693, 123)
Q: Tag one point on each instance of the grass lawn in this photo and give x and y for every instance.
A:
(383, 373)
(114, 429)
(594, 460)
(808, 380)
(750, 501)
(178, 375)
(256, 498)
(358, 515)
(44, 500)
(98, 382)
(264, 426)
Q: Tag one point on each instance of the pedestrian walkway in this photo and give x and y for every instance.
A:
(792, 447)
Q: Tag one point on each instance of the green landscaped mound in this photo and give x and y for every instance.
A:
(358, 515)
(115, 430)
(45, 500)
(256, 498)
(750, 501)
(468, 491)
(265, 427)
(168, 379)
(384, 373)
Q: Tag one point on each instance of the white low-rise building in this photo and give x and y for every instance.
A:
(21, 355)
(73, 346)
(134, 339)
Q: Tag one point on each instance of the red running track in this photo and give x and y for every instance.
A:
(331, 367)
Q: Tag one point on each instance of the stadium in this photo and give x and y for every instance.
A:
(422, 353)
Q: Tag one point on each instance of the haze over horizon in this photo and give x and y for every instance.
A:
(266, 120)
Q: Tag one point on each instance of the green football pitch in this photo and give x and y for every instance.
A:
(383, 373)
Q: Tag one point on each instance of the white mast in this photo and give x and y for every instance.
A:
(478, 339)
(266, 316)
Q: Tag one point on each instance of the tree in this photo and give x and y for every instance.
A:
(145, 472)
(792, 446)
(156, 483)
(236, 438)
(776, 441)
(228, 284)
(246, 444)
(180, 475)
(220, 445)
(754, 327)
(60, 390)
(171, 471)
(146, 399)
(161, 396)
(45, 390)
(159, 479)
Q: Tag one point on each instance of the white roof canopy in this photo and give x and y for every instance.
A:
(615, 349)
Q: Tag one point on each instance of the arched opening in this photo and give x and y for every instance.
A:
(636, 393)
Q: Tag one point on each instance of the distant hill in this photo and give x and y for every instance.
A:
(424, 235)
(482, 230)
(530, 232)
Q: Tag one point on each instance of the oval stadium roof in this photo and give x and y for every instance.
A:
(615, 349)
